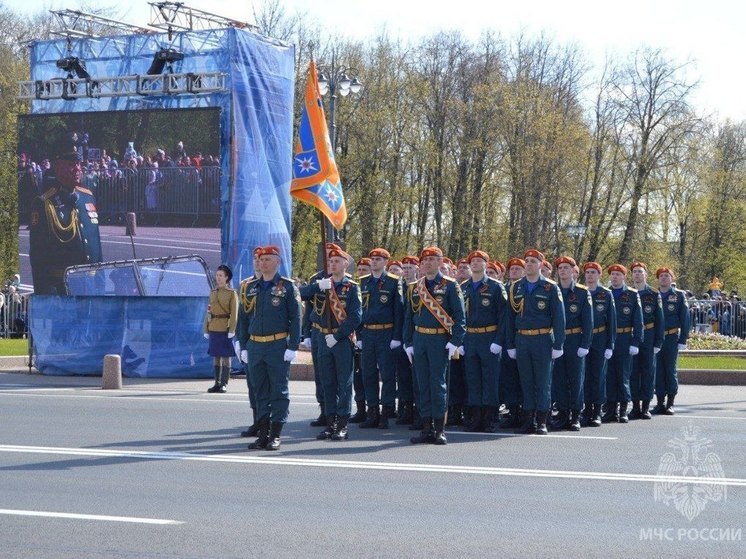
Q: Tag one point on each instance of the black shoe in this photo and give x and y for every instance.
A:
(528, 424)
(660, 407)
(623, 417)
(387, 412)
(645, 411)
(359, 416)
(587, 416)
(275, 428)
(512, 420)
(320, 421)
(439, 436)
(427, 435)
(373, 417)
(541, 422)
(561, 422)
(596, 421)
(340, 431)
(489, 419)
(222, 389)
(252, 431)
(262, 438)
(669, 405)
(473, 419)
(612, 413)
(455, 415)
(331, 426)
(574, 420)
(636, 412)
(405, 414)
(214, 388)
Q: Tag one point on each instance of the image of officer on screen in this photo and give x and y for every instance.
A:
(63, 224)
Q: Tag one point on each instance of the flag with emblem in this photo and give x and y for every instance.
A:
(315, 175)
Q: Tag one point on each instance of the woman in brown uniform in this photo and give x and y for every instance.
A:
(220, 327)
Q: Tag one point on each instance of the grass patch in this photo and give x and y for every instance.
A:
(715, 362)
(13, 347)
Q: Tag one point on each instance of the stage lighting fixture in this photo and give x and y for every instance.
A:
(74, 64)
(162, 58)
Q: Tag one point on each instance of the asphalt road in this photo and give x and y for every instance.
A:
(158, 470)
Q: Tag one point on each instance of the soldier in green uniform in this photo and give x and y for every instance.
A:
(642, 379)
(568, 375)
(433, 332)
(602, 345)
(63, 226)
(485, 303)
(220, 327)
(379, 334)
(270, 337)
(510, 382)
(677, 322)
(534, 336)
(629, 334)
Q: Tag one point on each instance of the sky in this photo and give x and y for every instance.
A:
(709, 33)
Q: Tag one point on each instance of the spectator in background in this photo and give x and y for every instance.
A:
(715, 287)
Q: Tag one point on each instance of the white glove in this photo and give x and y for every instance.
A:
(582, 352)
(681, 347)
(556, 353)
(331, 341)
(634, 350)
(359, 344)
(394, 344)
(230, 335)
(608, 353)
(325, 283)
(206, 335)
(410, 352)
(461, 350)
(452, 349)
(289, 355)
(495, 348)
(306, 343)
(244, 356)
(512, 353)
(656, 350)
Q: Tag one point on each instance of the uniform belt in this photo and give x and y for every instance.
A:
(535, 332)
(599, 329)
(481, 329)
(379, 326)
(423, 330)
(672, 331)
(270, 338)
(577, 330)
(219, 315)
(649, 325)
(625, 330)
(324, 330)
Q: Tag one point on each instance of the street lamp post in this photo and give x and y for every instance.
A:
(335, 79)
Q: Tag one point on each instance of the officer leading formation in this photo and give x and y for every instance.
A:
(521, 352)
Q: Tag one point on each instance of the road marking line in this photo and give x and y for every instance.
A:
(105, 518)
(390, 466)
(144, 396)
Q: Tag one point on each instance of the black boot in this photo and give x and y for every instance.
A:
(340, 431)
(636, 412)
(427, 435)
(253, 429)
(405, 414)
(262, 436)
(489, 419)
(320, 421)
(623, 418)
(473, 419)
(541, 422)
(275, 428)
(513, 419)
(387, 412)
(561, 422)
(645, 411)
(455, 415)
(331, 426)
(612, 413)
(359, 416)
(528, 423)
(439, 425)
(587, 416)
(596, 421)
(215, 387)
(373, 417)
(660, 407)
(574, 420)
(669, 405)
(225, 376)
(417, 422)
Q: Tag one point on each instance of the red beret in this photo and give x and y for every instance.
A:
(364, 261)
(340, 253)
(380, 252)
(332, 246)
(270, 250)
(448, 261)
(664, 270)
(432, 251)
(638, 265)
(515, 262)
(463, 261)
(257, 250)
(533, 253)
(478, 254)
(547, 265)
(595, 265)
(498, 264)
(411, 260)
(394, 263)
(565, 260)
(617, 268)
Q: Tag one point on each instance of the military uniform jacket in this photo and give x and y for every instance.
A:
(629, 313)
(486, 305)
(447, 293)
(652, 316)
(542, 308)
(63, 230)
(383, 302)
(222, 311)
(604, 316)
(348, 292)
(271, 309)
(676, 313)
(579, 312)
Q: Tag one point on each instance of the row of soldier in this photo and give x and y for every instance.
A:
(454, 344)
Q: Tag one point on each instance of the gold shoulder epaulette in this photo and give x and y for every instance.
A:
(549, 280)
(48, 194)
(291, 280)
(84, 190)
(581, 286)
(632, 289)
(393, 276)
(361, 278)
